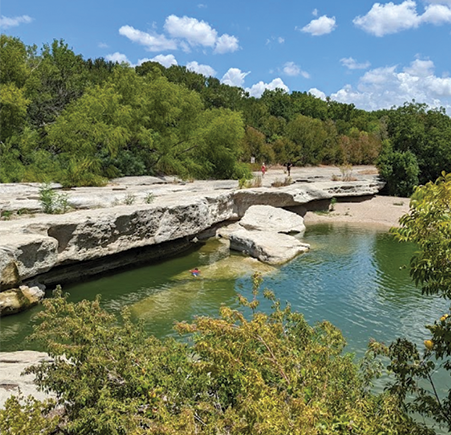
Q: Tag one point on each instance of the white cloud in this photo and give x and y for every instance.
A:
(280, 40)
(437, 14)
(117, 57)
(420, 68)
(194, 31)
(321, 26)
(317, 93)
(7, 22)
(291, 69)
(226, 44)
(351, 63)
(234, 77)
(184, 33)
(387, 87)
(315, 12)
(390, 18)
(153, 42)
(260, 87)
(102, 45)
(165, 60)
(205, 70)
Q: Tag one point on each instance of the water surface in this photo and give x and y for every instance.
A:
(355, 277)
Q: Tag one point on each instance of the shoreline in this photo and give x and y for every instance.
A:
(379, 211)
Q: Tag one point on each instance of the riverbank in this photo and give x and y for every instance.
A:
(381, 211)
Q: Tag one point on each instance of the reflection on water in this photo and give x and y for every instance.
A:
(356, 278)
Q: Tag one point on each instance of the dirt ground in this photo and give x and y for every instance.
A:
(380, 210)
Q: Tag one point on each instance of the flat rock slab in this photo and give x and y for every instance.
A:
(268, 218)
(268, 246)
(12, 364)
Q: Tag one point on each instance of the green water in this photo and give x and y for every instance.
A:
(354, 277)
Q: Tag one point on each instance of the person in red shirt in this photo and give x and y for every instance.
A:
(263, 169)
(195, 272)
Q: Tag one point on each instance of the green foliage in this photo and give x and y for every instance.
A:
(308, 136)
(428, 224)
(425, 134)
(399, 170)
(242, 374)
(129, 199)
(332, 203)
(13, 110)
(150, 197)
(58, 78)
(91, 120)
(28, 417)
(13, 56)
(51, 201)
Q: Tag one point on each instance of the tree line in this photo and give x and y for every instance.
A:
(81, 122)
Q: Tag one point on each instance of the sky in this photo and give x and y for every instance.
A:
(373, 55)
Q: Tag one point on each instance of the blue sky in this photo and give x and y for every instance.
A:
(375, 55)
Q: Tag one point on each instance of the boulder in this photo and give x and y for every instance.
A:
(267, 218)
(9, 273)
(267, 246)
(15, 300)
(29, 254)
(34, 294)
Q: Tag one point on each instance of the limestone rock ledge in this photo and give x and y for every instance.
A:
(12, 364)
(35, 244)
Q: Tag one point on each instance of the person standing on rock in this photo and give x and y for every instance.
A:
(289, 165)
(263, 169)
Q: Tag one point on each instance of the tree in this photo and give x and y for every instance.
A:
(241, 374)
(13, 110)
(58, 78)
(221, 148)
(13, 58)
(309, 137)
(428, 224)
(399, 170)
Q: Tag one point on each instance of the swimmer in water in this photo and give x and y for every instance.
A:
(195, 272)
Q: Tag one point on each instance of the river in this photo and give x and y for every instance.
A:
(355, 277)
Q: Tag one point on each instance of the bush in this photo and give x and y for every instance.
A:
(256, 374)
(51, 201)
(399, 170)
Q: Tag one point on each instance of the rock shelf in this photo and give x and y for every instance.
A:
(136, 213)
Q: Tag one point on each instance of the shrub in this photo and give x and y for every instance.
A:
(51, 201)
(149, 198)
(129, 199)
(243, 374)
